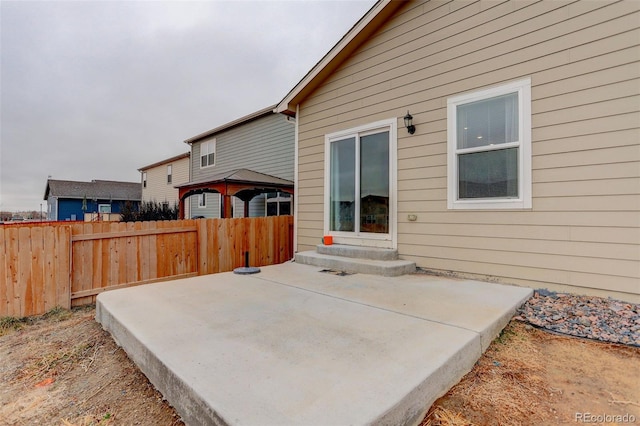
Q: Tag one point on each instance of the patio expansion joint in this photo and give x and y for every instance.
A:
(364, 304)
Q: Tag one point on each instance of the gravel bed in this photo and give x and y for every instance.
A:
(596, 318)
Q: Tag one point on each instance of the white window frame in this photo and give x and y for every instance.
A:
(278, 199)
(104, 208)
(359, 238)
(144, 179)
(523, 89)
(207, 148)
(169, 174)
(202, 200)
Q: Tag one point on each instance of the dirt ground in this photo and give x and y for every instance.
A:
(529, 376)
(63, 369)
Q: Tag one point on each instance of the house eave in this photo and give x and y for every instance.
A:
(231, 180)
(231, 124)
(357, 35)
(168, 160)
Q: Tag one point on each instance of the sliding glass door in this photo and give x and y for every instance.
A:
(359, 183)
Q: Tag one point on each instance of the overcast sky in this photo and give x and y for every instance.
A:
(97, 89)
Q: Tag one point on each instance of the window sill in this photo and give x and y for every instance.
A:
(490, 205)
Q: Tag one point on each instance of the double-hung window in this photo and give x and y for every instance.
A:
(169, 174)
(207, 153)
(489, 148)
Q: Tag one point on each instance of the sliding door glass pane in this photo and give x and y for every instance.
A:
(374, 183)
(342, 192)
(488, 174)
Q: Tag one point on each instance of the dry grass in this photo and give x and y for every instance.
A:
(506, 383)
(56, 356)
(8, 324)
(529, 376)
(63, 369)
(59, 361)
(440, 416)
(57, 314)
(107, 419)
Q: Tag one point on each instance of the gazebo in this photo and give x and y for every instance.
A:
(242, 183)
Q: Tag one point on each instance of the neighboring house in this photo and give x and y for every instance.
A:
(242, 168)
(71, 200)
(159, 180)
(525, 162)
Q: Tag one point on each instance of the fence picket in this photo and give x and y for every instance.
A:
(38, 287)
(24, 271)
(13, 292)
(62, 264)
(49, 277)
(122, 252)
(4, 301)
(131, 258)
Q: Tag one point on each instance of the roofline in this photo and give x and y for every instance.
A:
(236, 180)
(92, 181)
(48, 186)
(77, 197)
(234, 123)
(168, 160)
(230, 180)
(371, 20)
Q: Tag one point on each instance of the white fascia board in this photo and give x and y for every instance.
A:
(284, 105)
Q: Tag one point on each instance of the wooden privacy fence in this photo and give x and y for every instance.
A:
(67, 264)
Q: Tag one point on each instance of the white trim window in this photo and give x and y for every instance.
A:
(489, 148)
(169, 173)
(207, 153)
(277, 204)
(144, 179)
(202, 200)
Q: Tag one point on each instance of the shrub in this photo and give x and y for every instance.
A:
(149, 210)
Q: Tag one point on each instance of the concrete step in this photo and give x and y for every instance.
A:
(387, 268)
(372, 253)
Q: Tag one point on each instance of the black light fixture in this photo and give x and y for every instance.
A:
(408, 123)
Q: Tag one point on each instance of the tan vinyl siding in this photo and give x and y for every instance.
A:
(583, 58)
(157, 187)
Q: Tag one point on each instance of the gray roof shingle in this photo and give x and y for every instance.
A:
(96, 189)
(241, 175)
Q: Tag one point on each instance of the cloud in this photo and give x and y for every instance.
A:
(95, 90)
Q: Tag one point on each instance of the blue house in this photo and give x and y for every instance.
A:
(70, 200)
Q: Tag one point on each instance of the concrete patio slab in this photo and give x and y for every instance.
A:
(468, 304)
(294, 346)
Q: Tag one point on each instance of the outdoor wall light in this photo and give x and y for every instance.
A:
(408, 123)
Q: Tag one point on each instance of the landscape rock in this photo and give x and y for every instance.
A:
(591, 317)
